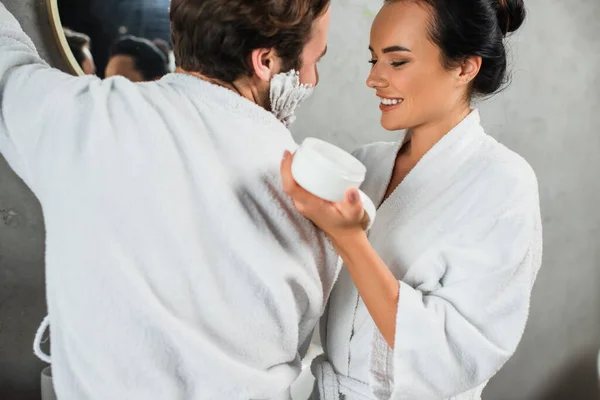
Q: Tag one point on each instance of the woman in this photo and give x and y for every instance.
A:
(434, 301)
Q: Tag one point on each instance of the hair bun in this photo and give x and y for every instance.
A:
(511, 14)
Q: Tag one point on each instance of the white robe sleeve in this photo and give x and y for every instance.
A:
(456, 334)
(32, 95)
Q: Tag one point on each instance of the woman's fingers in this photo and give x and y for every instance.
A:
(304, 201)
(287, 179)
(325, 214)
(353, 208)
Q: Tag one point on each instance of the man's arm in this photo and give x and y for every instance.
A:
(31, 94)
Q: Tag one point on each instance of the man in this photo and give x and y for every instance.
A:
(176, 266)
(137, 59)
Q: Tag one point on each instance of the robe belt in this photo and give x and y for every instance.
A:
(331, 385)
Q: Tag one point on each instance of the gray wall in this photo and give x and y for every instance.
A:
(550, 115)
(22, 297)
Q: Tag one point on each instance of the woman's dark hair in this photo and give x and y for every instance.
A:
(465, 28)
(148, 58)
(216, 37)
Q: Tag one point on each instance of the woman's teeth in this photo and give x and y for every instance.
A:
(390, 102)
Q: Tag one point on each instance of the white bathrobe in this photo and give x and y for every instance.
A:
(463, 235)
(176, 266)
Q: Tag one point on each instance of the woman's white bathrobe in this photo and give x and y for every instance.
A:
(463, 235)
(176, 266)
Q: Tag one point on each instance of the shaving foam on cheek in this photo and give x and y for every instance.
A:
(287, 93)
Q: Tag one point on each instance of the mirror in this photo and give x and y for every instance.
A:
(131, 38)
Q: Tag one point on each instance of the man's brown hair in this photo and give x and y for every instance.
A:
(216, 37)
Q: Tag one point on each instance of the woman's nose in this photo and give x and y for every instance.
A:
(376, 79)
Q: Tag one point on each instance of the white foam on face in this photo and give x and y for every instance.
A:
(286, 94)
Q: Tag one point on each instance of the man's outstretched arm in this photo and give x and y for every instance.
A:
(31, 95)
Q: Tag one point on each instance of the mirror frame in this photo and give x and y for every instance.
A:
(61, 39)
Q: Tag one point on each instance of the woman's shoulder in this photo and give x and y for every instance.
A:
(506, 167)
(497, 180)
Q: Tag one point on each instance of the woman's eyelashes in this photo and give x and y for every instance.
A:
(394, 64)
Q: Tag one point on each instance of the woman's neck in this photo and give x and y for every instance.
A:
(424, 137)
(419, 141)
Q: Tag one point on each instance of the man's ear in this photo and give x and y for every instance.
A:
(265, 63)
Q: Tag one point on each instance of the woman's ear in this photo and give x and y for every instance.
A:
(468, 70)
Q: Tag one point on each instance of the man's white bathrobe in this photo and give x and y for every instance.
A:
(463, 235)
(176, 266)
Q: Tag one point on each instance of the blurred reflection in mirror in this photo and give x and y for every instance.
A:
(80, 47)
(99, 30)
(137, 59)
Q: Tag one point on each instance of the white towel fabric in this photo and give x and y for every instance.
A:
(176, 266)
(463, 235)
